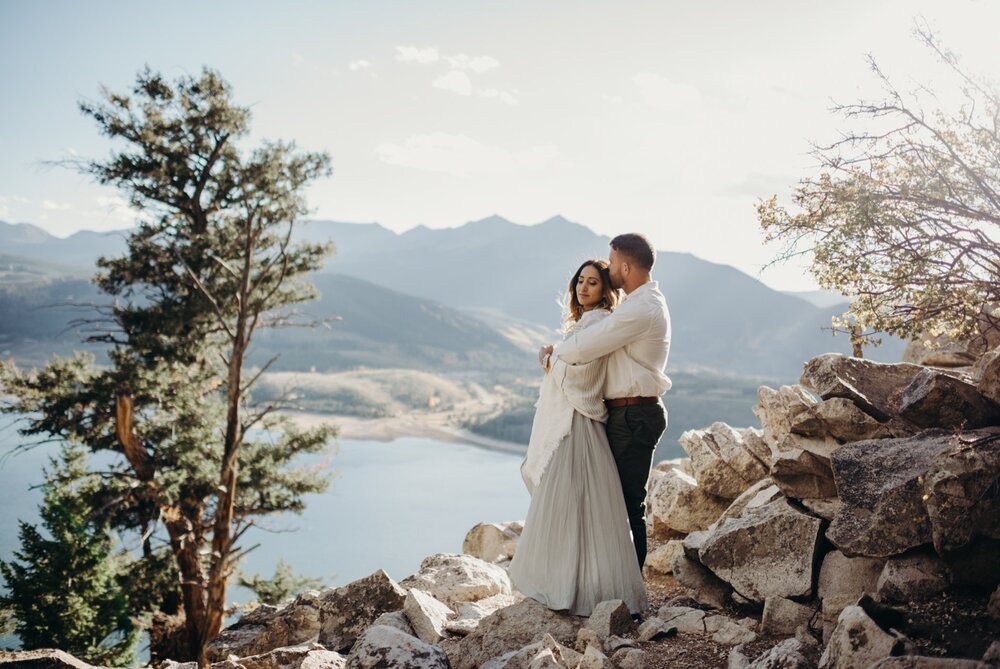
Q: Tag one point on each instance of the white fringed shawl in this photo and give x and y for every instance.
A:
(565, 388)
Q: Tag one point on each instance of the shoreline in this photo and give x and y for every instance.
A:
(430, 426)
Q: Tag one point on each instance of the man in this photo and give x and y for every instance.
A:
(637, 337)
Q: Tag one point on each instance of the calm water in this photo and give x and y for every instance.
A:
(390, 505)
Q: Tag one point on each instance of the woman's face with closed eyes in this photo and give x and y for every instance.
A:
(589, 287)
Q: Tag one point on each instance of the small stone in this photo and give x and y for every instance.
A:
(427, 615)
(610, 617)
(594, 659)
(586, 637)
(629, 658)
(654, 628)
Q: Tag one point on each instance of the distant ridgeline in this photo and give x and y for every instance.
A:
(478, 297)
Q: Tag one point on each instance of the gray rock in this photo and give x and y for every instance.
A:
(586, 637)
(769, 552)
(345, 612)
(826, 508)
(267, 628)
(711, 471)
(706, 588)
(914, 577)
(564, 655)
(992, 654)
(687, 620)
(874, 387)
(993, 608)
(789, 654)
(737, 659)
(593, 658)
(512, 628)
(303, 656)
(727, 632)
(613, 643)
(679, 503)
(759, 494)
(515, 659)
(839, 418)
(427, 615)
(493, 541)
(842, 581)
(777, 409)
(454, 579)
(957, 489)
(754, 441)
(545, 659)
(46, 658)
(384, 647)
(783, 616)
(987, 370)
(630, 658)
(396, 619)
(935, 399)
(470, 614)
(883, 512)
(654, 628)
(800, 466)
(856, 642)
(610, 618)
(661, 559)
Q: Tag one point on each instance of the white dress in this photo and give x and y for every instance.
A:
(576, 549)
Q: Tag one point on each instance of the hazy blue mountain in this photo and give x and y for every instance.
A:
(819, 298)
(723, 319)
(373, 326)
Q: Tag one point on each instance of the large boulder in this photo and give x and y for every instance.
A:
(661, 558)
(960, 490)
(768, 552)
(935, 399)
(842, 582)
(879, 482)
(789, 654)
(783, 616)
(678, 502)
(873, 386)
(454, 579)
(777, 409)
(384, 647)
(267, 628)
(427, 615)
(493, 542)
(800, 467)
(346, 611)
(712, 472)
(914, 577)
(705, 587)
(759, 494)
(839, 418)
(610, 618)
(511, 629)
(470, 614)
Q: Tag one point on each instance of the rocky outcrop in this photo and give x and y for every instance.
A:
(268, 627)
(678, 502)
(723, 465)
(876, 388)
(383, 647)
(303, 656)
(935, 399)
(454, 579)
(46, 658)
(839, 418)
(347, 611)
(768, 552)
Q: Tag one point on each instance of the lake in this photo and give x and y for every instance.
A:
(390, 505)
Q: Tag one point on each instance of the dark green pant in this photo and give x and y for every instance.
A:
(632, 433)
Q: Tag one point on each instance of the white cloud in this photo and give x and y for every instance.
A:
(455, 81)
(508, 97)
(412, 54)
(662, 93)
(49, 205)
(356, 65)
(477, 64)
(460, 155)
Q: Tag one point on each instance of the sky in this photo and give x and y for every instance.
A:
(663, 117)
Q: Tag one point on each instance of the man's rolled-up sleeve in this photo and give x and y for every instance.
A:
(622, 327)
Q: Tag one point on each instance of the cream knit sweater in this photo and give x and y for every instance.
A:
(567, 389)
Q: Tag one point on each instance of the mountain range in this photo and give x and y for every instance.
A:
(480, 295)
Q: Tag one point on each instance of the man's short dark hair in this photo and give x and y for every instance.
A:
(636, 248)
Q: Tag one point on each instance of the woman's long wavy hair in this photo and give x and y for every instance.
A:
(609, 298)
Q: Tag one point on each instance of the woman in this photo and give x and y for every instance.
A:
(575, 550)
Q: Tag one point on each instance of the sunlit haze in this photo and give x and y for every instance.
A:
(667, 118)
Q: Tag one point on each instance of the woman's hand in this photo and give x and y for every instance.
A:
(545, 356)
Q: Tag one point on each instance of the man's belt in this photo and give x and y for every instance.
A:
(629, 401)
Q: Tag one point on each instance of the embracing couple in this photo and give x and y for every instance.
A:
(597, 422)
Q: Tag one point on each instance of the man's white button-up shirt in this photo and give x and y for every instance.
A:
(637, 337)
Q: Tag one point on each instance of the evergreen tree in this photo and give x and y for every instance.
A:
(210, 262)
(63, 588)
(284, 585)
